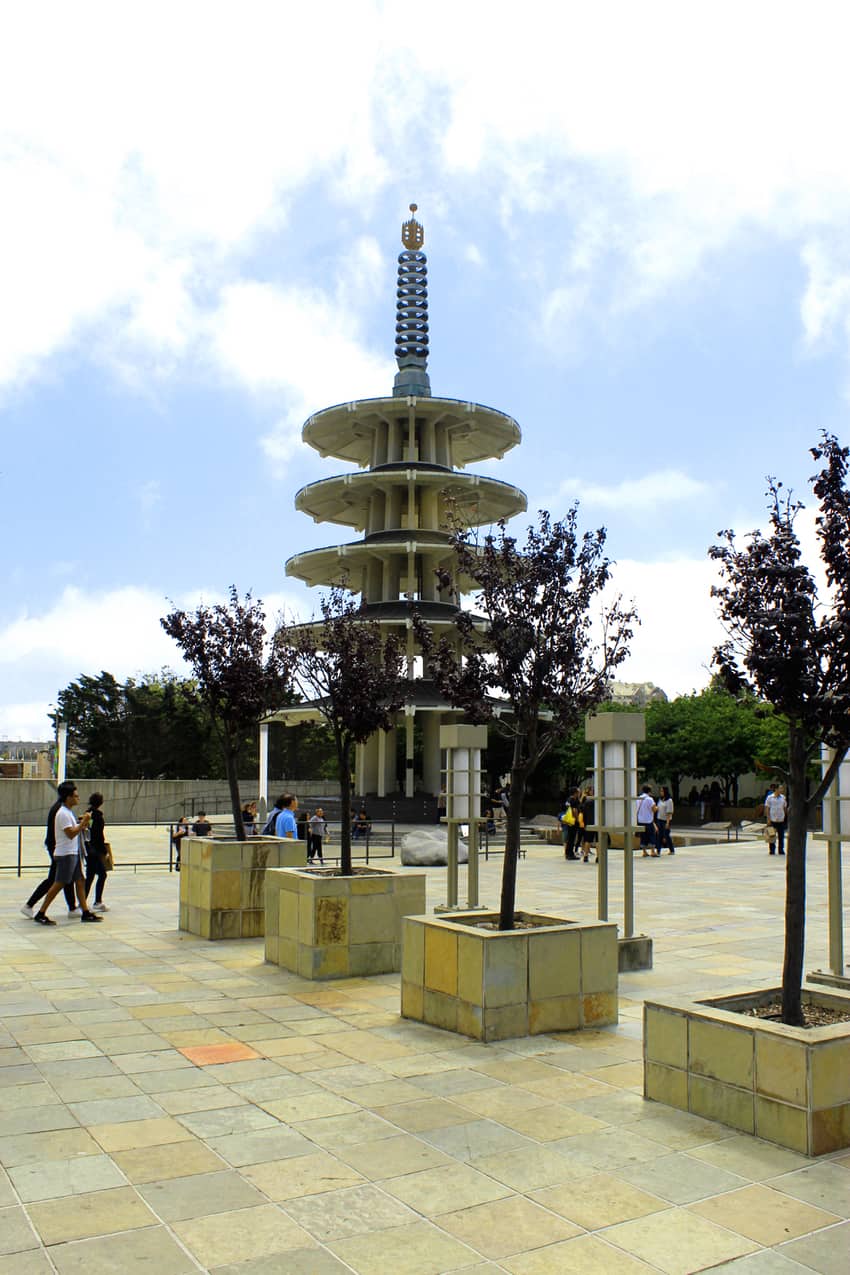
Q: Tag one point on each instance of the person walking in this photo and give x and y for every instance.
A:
(202, 826)
(268, 828)
(318, 832)
(177, 835)
(67, 855)
(95, 843)
(664, 821)
(28, 908)
(645, 818)
(776, 809)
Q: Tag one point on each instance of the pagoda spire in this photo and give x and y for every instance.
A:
(411, 328)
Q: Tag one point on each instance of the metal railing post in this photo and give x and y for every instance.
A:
(20, 834)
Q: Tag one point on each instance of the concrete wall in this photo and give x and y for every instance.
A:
(26, 801)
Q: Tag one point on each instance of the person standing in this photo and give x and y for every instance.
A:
(67, 855)
(202, 826)
(28, 908)
(570, 824)
(268, 828)
(588, 817)
(286, 826)
(664, 821)
(95, 842)
(177, 835)
(776, 809)
(645, 820)
(318, 832)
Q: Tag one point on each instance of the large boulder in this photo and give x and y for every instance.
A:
(429, 848)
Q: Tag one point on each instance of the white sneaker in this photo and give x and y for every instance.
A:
(26, 910)
(99, 907)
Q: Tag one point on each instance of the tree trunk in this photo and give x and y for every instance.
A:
(344, 762)
(795, 880)
(231, 766)
(512, 838)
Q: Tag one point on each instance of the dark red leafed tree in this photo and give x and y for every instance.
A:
(534, 666)
(239, 674)
(351, 672)
(791, 648)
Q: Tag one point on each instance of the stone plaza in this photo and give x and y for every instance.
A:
(175, 1104)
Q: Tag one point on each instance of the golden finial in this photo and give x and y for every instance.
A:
(412, 232)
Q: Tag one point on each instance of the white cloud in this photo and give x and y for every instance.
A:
(630, 496)
(83, 632)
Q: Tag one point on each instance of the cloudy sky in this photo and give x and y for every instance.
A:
(638, 230)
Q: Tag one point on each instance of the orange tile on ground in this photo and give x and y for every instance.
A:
(206, 1055)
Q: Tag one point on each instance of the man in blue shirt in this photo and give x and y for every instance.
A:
(286, 825)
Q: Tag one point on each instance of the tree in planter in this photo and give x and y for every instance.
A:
(352, 674)
(239, 676)
(536, 650)
(792, 650)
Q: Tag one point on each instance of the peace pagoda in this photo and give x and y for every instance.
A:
(411, 450)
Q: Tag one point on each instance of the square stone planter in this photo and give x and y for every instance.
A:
(490, 984)
(222, 884)
(789, 1085)
(322, 925)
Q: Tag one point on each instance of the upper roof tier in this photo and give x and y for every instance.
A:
(440, 431)
(361, 500)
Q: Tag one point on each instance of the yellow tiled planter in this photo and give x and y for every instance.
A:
(322, 925)
(222, 884)
(494, 984)
(789, 1085)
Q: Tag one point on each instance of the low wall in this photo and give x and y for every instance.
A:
(26, 801)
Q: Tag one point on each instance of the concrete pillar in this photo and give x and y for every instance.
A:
(431, 768)
(367, 778)
(263, 778)
(61, 751)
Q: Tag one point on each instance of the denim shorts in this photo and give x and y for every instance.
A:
(67, 868)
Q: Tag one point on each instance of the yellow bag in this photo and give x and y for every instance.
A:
(108, 857)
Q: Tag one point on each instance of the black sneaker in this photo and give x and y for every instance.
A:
(41, 919)
(90, 916)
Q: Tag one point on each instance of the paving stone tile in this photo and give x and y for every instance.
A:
(680, 1178)
(222, 1052)
(32, 1262)
(129, 1253)
(176, 1199)
(598, 1201)
(7, 1194)
(78, 1217)
(334, 1132)
(609, 1149)
(100, 1111)
(769, 1261)
(154, 1164)
(353, 1211)
(825, 1185)
(766, 1216)
(505, 1227)
(130, 1135)
(14, 1097)
(750, 1157)
(298, 1262)
(530, 1169)
(260, 1145)
(309, 1106)
(185, 1076)
(824, 1252)
(416, 1249)
(445, 1189)
(16, 1234)
(426, 1113)
(240, 1236)
(390, 1157)
(479, 1138)
(587, 1255)
(51, 1178)
(30, 1148)
(301, 1175)
(37, 1120)
(678, 1242)
(222, 1121)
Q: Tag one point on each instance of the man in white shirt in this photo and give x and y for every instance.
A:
(776, 810)
(66, 855)
(645, 819)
